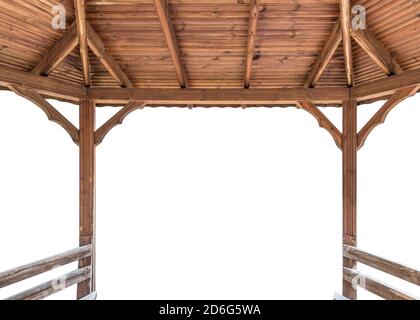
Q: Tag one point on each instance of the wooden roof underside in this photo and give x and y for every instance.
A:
(266, 44)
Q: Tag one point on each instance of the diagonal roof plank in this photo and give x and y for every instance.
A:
(97, 46)
(376, 51)
(162, 11)
(79, 6)
(345, 19)
(61, 49)
(252, 34)
(326, 55)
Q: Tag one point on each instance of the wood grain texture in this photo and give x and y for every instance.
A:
(376, 51)
(98, 48)
(380, 116)
(162, 11)
(117, 119)
(80, 8)
(345, 18)
(374, 286)
(61, 49)
(252, 34)
(325, 57)
(35, 268)
(323, 121)
(53, 114)
(87, 191)
(56, 285)
(349, 188)
(390, 267)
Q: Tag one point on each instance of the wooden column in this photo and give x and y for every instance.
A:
(349, 187)
(87, 191)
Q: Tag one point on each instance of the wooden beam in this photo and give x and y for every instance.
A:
(61, 49)
(53, 114)
(97, 46)
(162, 11)
(395, 269)
(345, 18)
(252, 34)
(374, 286)
(380, 116)
(80, 8)
(87, 191)
(35, 268)
(349, 188)
(43, 85)
(376, 51)
(166, 97)
(117, 119)
(325, 57)
(323, 121)
(56, 285)
(385, 87)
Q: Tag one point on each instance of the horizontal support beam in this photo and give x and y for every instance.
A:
(283, 96)
(33, 269)
(374, 286)
(40, 84)
(392, 268)
(385, 87)
(53, 286)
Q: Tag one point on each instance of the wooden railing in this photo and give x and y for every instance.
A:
(374, 286)
(55, 285)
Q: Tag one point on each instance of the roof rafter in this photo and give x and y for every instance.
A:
(80, 8)
(252, 34)
(53, 114)
(325, 57)
(96, 44)
(61, 49)
(376, 51)
(162, 11)
(345, 19)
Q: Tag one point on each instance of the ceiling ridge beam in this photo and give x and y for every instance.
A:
(97, 46)
(326, 55)
(345, 18)
(162, 11)
(80, 8)
(52, 113)
(252, 35)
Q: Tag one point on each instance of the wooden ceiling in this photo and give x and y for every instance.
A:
(211, 43)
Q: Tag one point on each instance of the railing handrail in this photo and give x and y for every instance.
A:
(32, 269)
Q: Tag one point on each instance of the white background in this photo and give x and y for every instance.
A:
(209, 203)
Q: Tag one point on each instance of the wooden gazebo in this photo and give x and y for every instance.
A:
(308, 54)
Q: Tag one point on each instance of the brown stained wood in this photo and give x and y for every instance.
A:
(281, 96)
(325, 57)
(380, 116)
(53, 114)
(117, 119)
(252, 34)
(376, 51)
(35, 268)
(323, 121)
(92, 296)
(345, 18)
(62, 48)
(98, 48)
(43, 85)
(87, 191)
(374, 286)
(56, 285)
(349, 188)
(385, 87)
(80, 8)
(162, 11)
(395, 269)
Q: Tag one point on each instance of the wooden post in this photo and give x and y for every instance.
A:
(349, 188)
(87, 191)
